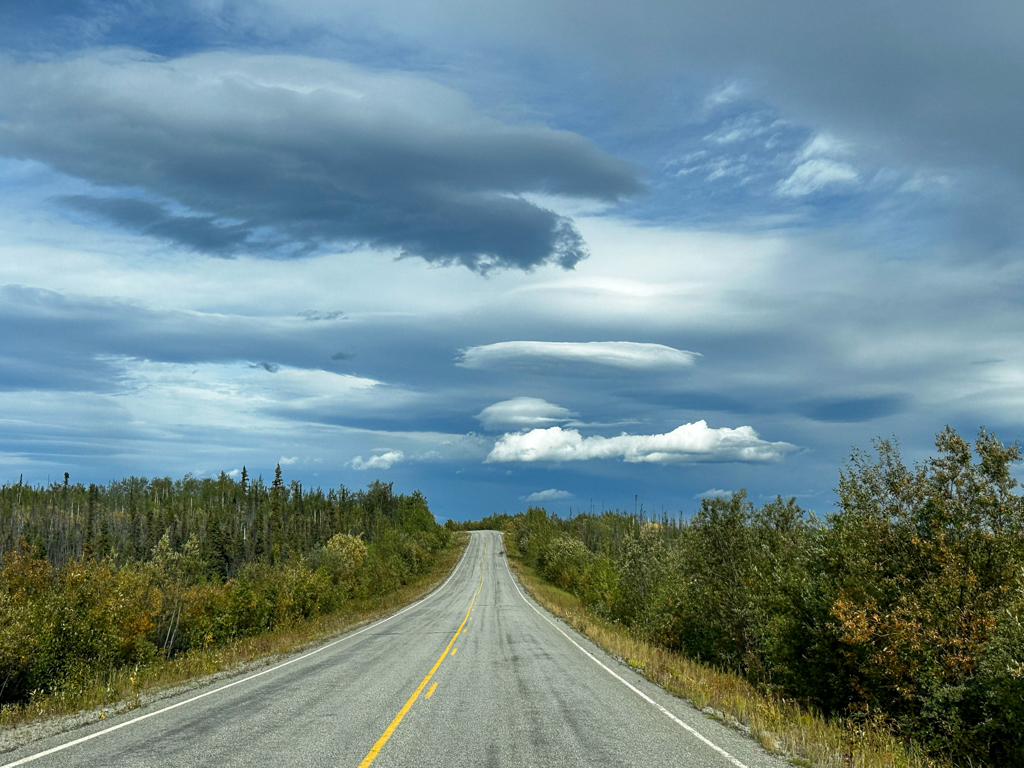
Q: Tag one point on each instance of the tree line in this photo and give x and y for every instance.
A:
(235, 522)
(904, 607)
(101, 577)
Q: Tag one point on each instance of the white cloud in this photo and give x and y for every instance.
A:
(824, 145)
(816, 174)
(741, 129)
(285, 460)
(727, 94)
(688, 443)
(236, 394)
(380, 461)
(618, 354)
(523, 413)
(551, 494)
(923, 182)
(712, 493)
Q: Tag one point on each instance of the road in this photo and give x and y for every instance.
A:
(475, 674)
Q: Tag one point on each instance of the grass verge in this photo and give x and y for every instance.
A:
(781, 725)
(128, 688)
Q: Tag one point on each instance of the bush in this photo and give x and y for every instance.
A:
(341, 558)
(56, 628)
(566, 560)
(906, 606)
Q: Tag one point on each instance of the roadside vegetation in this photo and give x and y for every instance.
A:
(109, 591)
(889, 633)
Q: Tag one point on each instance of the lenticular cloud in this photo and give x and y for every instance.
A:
(617, 354)
(695, 442)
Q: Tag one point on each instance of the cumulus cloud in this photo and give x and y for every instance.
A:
(288, 154)
(712, 493)
(379, 461)
(617, 354)
(694, 442)
(523, 413)
(286, 460)
(551, 494)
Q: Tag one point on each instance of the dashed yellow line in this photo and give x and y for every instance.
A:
(430, 692)
(372, 754)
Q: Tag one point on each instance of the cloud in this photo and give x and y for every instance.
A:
(713, 493)
(551, 494)
(824, 145)
(815, 175)
(285, 460)
(741, 129)
(854, 409)
(617, 354)
(943, 81)
(694, 442)
(268, 367)
(523, 413)
(316, 314)
(379, 461)
(287, 155)
(197, 232)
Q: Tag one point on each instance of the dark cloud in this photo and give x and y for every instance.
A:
(68, 343)
(941, 80)
(286, 155)
(341, 356)
(854, 409)
(317, 314)
(268, 367)
(200, 233)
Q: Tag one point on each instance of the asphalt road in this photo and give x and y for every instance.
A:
(473, 675)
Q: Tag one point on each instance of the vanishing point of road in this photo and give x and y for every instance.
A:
(475, 674)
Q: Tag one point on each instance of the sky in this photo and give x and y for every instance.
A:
(581, 255)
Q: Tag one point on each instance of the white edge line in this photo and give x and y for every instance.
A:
(246, 679)
(625, 682)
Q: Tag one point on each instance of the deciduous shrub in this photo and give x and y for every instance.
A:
(904, 606)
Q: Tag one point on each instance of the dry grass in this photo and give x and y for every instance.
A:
(781, 725)
(125, 689)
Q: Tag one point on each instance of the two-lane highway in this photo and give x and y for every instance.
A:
(475, 674)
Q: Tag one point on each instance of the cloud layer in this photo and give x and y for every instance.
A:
(615, 354)
(694, 442)
(287, 154)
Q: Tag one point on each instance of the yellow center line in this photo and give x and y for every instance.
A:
(372, 754)
(430, 691)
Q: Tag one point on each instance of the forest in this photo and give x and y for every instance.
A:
(902, 608)
(100, 578)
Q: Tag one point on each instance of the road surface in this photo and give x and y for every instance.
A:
(475, 674)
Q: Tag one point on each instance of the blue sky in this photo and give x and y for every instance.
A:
(575, 254)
